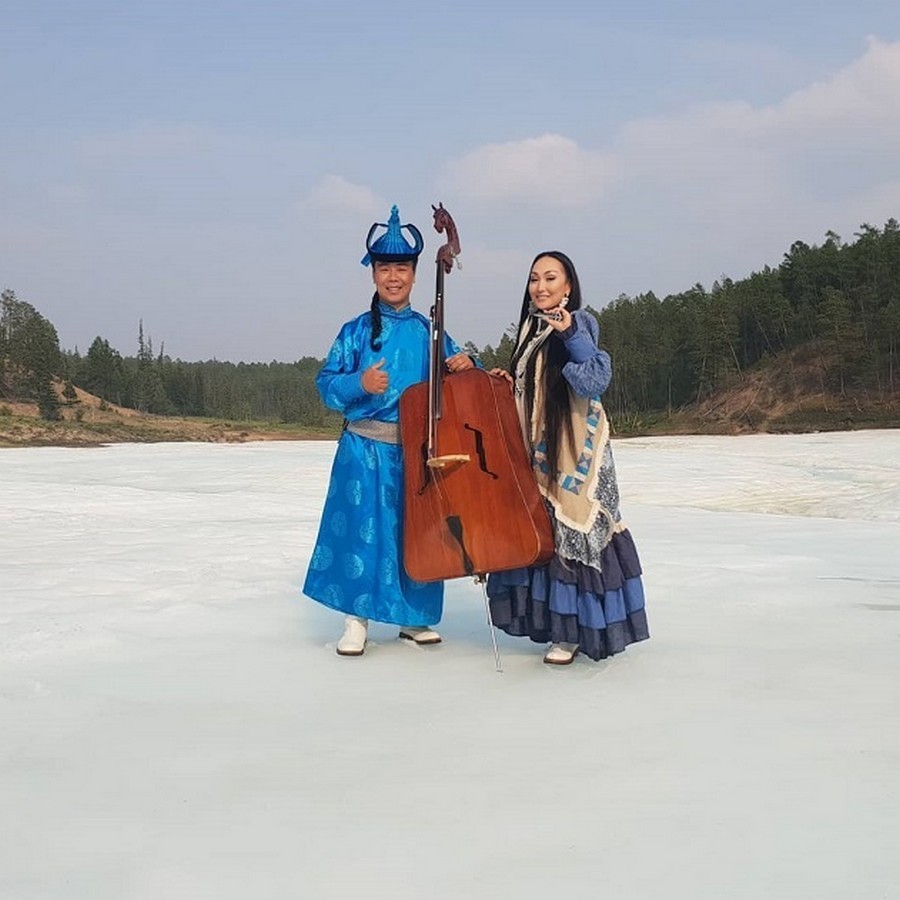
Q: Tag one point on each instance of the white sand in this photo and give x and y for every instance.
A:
(174, 722)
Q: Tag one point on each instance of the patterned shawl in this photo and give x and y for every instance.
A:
(573, 493)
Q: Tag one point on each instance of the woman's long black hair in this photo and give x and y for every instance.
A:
(557, 403)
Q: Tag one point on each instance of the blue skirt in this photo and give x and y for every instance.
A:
(566, 601)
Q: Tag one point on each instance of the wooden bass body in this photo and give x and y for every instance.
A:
(471, 504)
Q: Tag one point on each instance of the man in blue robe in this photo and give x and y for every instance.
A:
(357, 563)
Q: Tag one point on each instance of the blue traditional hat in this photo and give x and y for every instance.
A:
(392, 246)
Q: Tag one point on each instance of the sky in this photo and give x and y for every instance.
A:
(176, 723)
(211, 169)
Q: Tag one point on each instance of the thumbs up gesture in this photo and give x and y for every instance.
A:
(375, 379)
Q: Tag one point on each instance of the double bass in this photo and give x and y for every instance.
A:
(471, 502)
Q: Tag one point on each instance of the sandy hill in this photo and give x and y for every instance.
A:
(89, 420)
(791, 393)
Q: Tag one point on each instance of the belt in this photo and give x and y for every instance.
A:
(386, 432)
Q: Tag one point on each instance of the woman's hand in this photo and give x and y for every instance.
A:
(559, 318)
(502, 373)
(459, 363)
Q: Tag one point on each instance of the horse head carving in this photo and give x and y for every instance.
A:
(447, 253)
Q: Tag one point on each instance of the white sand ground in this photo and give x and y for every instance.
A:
(174, 722)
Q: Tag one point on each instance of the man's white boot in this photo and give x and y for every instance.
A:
(353, 640)
(418, 634)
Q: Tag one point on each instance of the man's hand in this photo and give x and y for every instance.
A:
(375, 379)
(460, 362)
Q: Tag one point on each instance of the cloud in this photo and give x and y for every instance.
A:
(862, 95)
(494, 264)
(839, 135)
(847, 126)
(550, 170)
(713, 188)
(333, 193)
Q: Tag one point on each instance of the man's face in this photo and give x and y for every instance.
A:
(394, 282)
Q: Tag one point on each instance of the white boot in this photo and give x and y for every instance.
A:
(561, 654)
(419, 634)
(353, 640)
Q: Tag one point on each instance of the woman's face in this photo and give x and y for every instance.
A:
(548, 283)
(394, 282)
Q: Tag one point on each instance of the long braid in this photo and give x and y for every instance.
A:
(375, 340)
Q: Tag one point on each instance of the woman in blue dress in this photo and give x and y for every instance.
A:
(357, 566)
(589, 598)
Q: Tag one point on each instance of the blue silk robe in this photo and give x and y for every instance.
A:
(357, 563)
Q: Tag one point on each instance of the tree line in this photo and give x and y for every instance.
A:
(276, 391)
(31, 362)
(840, 298)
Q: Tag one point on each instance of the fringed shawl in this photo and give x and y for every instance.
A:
(573, 493)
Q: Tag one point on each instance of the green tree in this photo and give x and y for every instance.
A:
(49, 406)
(843, 336)
(102, 372)
(29, 348)
(148, 394)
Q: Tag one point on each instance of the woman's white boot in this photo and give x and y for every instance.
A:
(353, 640)
(561, 654)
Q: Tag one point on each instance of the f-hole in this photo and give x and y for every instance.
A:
(479, 449)
(454, 523)
(426, 473)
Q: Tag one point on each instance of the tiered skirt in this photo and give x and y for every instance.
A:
(567, 601)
